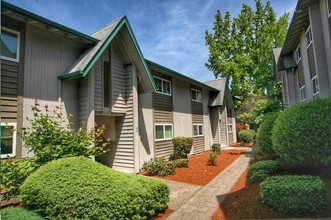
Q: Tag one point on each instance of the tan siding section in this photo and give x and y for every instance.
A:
(198, 144)
(9, 90)
(197, 118)
(83, 102)
(164, 148)
(311, 61)
(223, 130)
(214, 120)
(162, 108)
(98, 93)
(230, 135)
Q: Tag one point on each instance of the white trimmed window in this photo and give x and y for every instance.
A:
(8, 140)
(162, 86)
(298, 54)
(10, 44)
(163, 132)
(196, 95)
(302, 91)
(309, 37)
(230, 128)
(316, 88)
(197, 130)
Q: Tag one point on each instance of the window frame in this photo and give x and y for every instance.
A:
(17, 59)
(162, 81)
(308, 31)
(298, 52)
(230, 130)
(196, 95)
(328, 9)
(313, 81)
(198, 126)
(164, 125)
(14, 125)
(303, 88)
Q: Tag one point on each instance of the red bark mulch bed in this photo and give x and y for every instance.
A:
(237, 144)
(199, 172)
(163, 215)
(244, 202)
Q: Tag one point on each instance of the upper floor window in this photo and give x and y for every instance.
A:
(198, 130)
(163, 86)
(196, 95)
(315, 85)
(230, 128)
(302, 91)
(10, 44)
(163, 132)
(298, 54)
(328, 4)
(309, 37)
(8, 140)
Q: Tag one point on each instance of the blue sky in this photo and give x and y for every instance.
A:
(169, 32)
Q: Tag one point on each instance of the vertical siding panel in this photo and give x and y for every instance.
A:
(311, 60)
(223, 129)
(83, 102)
(98, 93)
(197, 118)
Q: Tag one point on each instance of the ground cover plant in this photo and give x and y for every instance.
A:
(79, 188)
(19, 214)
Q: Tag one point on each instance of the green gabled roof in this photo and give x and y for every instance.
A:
(46, 21)
(174, 73)
(87, 60)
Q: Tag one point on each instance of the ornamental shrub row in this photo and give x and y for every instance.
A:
(295, 194)
(79, 188)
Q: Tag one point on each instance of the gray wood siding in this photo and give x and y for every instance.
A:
(291, 88)
(162, 108)
(98, 93)
(311, 60)
(121, 87)
(163, 148)
(223, 129)
(9, 90)
(301, 74)
(197, 112)
(198, 144)
(83, 102)
(214, 120)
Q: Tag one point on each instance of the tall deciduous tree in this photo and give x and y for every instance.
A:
(240, 49)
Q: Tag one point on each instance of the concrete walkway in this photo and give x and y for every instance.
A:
(196, 202)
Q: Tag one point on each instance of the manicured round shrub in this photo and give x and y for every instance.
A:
(264, 141)
(19, 214)
(245, 136)
(159, 166)
(216, 148)
(295, 194)
(301, 134)
(260, 170)
(182, 147)
(79, 188)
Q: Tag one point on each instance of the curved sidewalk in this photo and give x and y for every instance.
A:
(206, 199)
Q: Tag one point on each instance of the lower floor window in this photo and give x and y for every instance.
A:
(315, 85)
(230, 129)
(302, 93)
(163, 131)
(8, 139)
(198, 130)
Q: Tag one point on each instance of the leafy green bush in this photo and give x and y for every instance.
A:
(259, 176)
(79, 188)
(268, 166)
(245, 136)
(50, 136)
(19, 214)
(264, 134)
(159, 166)
(182, 146)
(13, 172)
(212, 160)
(180, 162)
(216, 148)
(301, 134)
(295, 194)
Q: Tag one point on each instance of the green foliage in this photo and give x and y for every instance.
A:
(179, 163)
(260, 170)
(245, 136)
(212, 160)
(182, 146)
(216, 148)
(50, 136)
(295, 194)
(79, 188)
(301, 134)
(19, 214)
(264, 134)
(159, 166)
(240, 49)
(13, 172)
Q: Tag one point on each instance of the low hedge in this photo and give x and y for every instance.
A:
(264, 134)
(19, 214)
(246, 136)
(260, 170)
(79, 188)
(182, 147)
(159, 166)
(301, 134)
(295, 194)
(179, 163)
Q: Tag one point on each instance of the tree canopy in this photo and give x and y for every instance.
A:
(240, 48)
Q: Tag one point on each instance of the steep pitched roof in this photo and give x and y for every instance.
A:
(219, 84)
